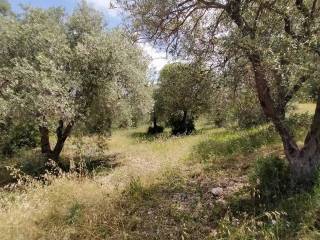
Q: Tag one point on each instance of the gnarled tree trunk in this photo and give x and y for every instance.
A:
(154, 120)
(62, 135)
(303, 162)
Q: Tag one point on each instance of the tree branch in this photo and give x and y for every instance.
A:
(295, 89)
(213, 4)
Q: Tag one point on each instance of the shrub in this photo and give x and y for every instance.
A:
(248, 118)
(18, 135)
(270, 179)
(218, 116)
(247, 112)
(299, 122)
(219, 121)
(33, 166)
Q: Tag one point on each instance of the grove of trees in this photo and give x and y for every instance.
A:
(191, 119)
(279, 40)
(60, 72)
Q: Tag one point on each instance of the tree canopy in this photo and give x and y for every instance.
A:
(60, 69)
(183, 89)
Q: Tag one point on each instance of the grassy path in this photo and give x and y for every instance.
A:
(162, 188)
(73, 208)
(147, 159)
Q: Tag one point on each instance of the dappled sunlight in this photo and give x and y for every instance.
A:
(161, 186)
(219, 139)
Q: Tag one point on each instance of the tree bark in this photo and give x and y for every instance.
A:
(45, 141)
(303, 162)
(154, 120)
(309, 156)
(184, 119)
(62, 135)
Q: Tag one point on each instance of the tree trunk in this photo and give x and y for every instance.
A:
(184, 119)
(45, 142)
(154, 120)
(308, 160)
(304, 167)
(62, 135)
(303, 162)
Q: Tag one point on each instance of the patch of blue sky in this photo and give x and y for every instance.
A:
(112, 15)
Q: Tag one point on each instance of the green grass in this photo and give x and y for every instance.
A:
(160, 188)
(227, 143)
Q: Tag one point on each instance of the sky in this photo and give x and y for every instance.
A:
(112, 17)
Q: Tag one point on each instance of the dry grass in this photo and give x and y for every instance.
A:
(305, 108)
(71, 207)
(161, 189)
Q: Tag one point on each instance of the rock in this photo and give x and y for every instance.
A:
(218, 191)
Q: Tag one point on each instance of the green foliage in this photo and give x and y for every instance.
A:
(113, 78)
(33, 66)
(299, 122)
(17, 135)
(269, 225)
(74, 213)
(247, 111)
(231, 143)
(183, 89)
(155, 130)
(281, 214)
(270, 180)
(33, 166)
(54, 67)
(137, 191)
(219, 118)
(83, 22)
(147, 137)
(309, 92)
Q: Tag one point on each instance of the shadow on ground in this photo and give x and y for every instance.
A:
(145, 137)
(35, 167)
(94, 163)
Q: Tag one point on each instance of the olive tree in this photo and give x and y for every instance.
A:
(56, 69)
(184, 91)
(279, 39)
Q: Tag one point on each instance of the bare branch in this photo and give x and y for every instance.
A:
(213, 4)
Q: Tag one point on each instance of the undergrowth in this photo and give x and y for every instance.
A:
(165, 188)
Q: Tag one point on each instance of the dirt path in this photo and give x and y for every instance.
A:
(147, 159)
